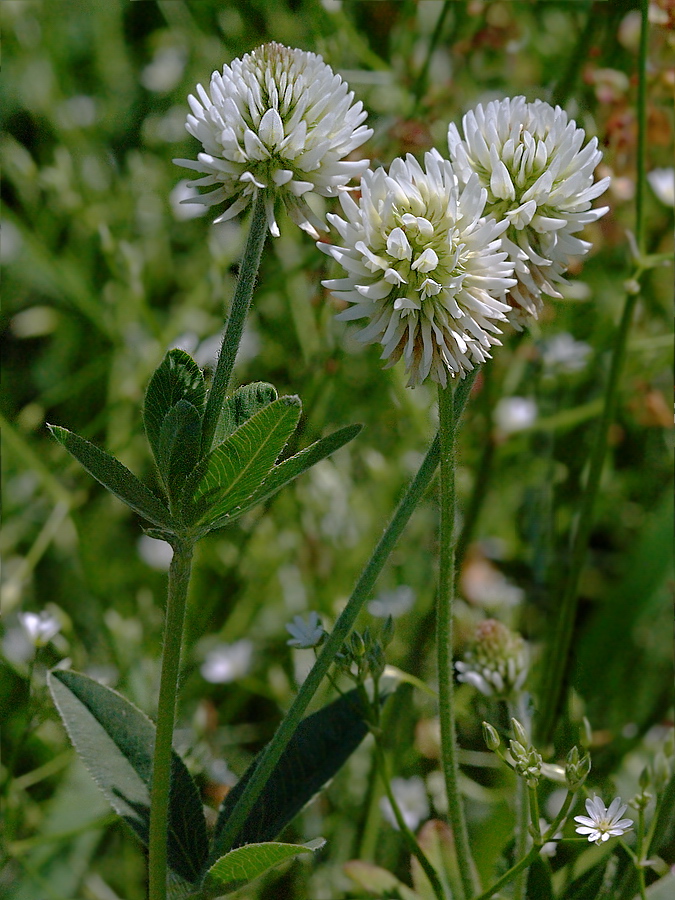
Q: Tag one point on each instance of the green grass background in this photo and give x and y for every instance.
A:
(100, 278)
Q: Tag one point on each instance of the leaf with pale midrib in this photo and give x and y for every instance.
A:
(116, 740)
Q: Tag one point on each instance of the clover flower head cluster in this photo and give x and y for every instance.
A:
(277, 120)
(496, 663)
(423, 266)
(602, 822)
(539, 176)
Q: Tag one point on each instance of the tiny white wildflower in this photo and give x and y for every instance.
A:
(305, 633)
(39, 627)
(227, 662)
(411, 796)
(423, 266)
(530, 159)
(662, 182)
(393, 603)
(602, 823)
(514, 414)
(496, 663)
(277, 120)
(562, 354)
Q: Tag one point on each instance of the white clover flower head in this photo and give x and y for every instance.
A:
(39, 627)
(277, 120)
(539, 178)
(305, 633)
(423, 266)
(411, 796)
(496, 663)
(227, 662)
(602, 823)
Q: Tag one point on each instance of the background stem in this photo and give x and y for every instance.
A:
(553, 677)
(346, 619)
(444, 638)
(248, 273)
(179, 579)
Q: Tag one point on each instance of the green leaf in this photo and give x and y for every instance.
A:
(115, 741)
(239, 466)
(239, 867)
(177, 378)
(377, 881)
(539, 883)
(116, 478)
(290, 468)
(320, 746)
(179, 445)
(245, 402)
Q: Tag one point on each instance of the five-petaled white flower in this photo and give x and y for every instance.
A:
(601, 823)
(305, 634)
(277, 120)
(423, 266)
(40, 627)
(529, 157)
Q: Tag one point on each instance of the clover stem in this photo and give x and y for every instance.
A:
(179, 580)
(444, 638)
(248, 273)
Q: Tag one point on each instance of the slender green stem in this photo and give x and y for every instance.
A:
(444, 639)
(343, 626)
(422, 78)
(179, 580)
(518, 711)
(640, 852)
(558, 656)
(532, 854)
(346, 619)
(574, 66)
(248, 272)
(408, 836)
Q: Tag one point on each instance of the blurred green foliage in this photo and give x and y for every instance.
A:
(104, 271)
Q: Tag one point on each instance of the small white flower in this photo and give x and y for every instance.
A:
(305, 634)
(277, 120)
(423, 266)
(601, 823)
(40, 627)
(227, 662)
(529, 157)
(392, 603)
(662, 182)
(514, 414)
(561, 354)
(411, 796)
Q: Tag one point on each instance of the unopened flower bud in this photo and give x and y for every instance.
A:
(490, 736)
(577, 769)
(586, 734)
(387, 632)
(645, 778)
(662, 771)
(519, 731)
(527, 762)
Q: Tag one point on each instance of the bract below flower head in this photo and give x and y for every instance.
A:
(423, 266)
(277, 120)
(539, 178)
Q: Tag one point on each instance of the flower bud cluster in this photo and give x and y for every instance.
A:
(576, 769)
(363, 655)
